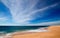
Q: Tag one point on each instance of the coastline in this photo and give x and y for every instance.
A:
(53, 32)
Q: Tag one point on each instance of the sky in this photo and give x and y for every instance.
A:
(29, 12)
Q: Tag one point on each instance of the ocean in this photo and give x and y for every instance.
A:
(9, 29)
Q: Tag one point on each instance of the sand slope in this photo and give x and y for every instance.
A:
(53, 32)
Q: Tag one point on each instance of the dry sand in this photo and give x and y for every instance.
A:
(53, 32)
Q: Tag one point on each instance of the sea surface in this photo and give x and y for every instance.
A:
(9, 29)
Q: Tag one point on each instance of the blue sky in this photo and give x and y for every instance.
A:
(30, 12)
(5, 15)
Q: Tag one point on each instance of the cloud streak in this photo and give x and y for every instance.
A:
(46, 23)
(22, 11)
(38, 24)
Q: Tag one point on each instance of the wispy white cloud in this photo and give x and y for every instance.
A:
(43, 9)
(46, 23)
(17, 9)
(22, 14)
(3, 18)
(38, 24)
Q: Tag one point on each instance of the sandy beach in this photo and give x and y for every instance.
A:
(53, 32)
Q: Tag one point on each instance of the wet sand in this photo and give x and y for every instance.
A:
(53, 32)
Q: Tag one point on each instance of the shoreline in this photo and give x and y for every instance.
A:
(53, 31)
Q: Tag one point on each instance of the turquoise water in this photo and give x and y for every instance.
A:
(9, 29)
